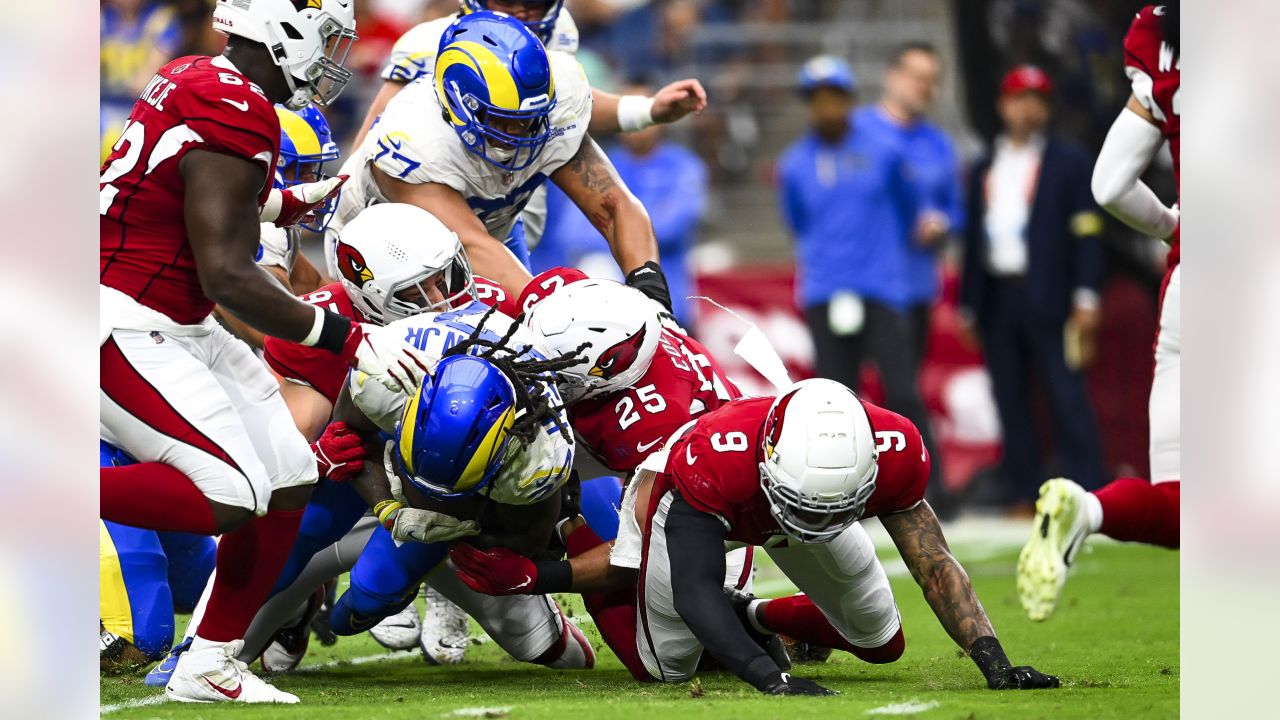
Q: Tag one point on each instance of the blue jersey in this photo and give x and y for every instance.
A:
(849, 206)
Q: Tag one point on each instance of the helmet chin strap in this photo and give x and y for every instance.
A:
(299, 97)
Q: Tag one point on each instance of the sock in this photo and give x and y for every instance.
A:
(249, 561)
(154, 496)
(797, 617)
(1092, 512)
(1134, 510)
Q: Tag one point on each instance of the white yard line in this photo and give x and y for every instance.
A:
(481, 711)
(129, 704)
(910, 707)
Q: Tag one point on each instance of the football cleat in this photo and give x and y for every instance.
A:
(116, 655)
(289, 645)
(399, 631)
(1060, 530)
(804, 653)
(446, 631)
(160, 674)
(210, 672)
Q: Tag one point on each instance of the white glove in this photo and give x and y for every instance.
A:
(427, 526)
(383, 355)
(289, 206)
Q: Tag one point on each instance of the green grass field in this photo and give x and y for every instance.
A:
(1114, 643)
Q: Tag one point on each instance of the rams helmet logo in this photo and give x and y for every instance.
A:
(619, 357)
(352, 265)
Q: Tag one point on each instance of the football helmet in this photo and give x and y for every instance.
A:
(453, 433)
(493, 81)
(542, 28)
(619, 324)
(820, 460)
(308, 39)
(305, 139)
(392, 256)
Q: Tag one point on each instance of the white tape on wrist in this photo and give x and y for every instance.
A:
(272, 207)
(635, 112)
(313, 337)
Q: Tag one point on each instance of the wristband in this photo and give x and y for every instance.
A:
(329, 332)
(988, 655)
(554, 576)
(635, 112)
(385, 511)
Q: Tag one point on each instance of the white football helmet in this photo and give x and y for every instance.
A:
(392, 256)
(820, 457)
(308, 39)
(618, 324)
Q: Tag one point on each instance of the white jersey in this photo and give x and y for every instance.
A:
(277, 247)
(530, 472)
(414, 54)
(412, 142)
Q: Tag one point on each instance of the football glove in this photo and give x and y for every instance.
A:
(385, 357)
(784, 684)
(340, 452)
(650, 280)
(292, 204)
(496, 571)
(1022, 677)
(424, 526)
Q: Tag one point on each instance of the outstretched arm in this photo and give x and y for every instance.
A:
(948, 591)
(625, 113)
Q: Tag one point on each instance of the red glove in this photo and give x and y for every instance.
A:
(340, 452)
(496, 571)
(291, 205)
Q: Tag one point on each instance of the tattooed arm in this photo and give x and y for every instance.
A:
(948, 591)
(592, 183)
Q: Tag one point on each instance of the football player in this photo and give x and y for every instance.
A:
(793, 474)
(182, 196)
(306, 144)
(414, 54)
(471, 144)
(1130, 509)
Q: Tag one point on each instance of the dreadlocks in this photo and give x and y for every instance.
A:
(530, 376)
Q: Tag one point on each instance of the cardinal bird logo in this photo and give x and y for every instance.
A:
(773, 424)
(619, 357)
(352, 265)
(307, 4)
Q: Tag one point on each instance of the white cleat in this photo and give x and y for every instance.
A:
(446, 631)
(210, 672)
(1059, 532)
(399, 631)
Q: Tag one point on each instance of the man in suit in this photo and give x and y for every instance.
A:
(1032, 271)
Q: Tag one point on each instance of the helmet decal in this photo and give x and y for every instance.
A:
(773, 423)
(619, 357)
(352, 265)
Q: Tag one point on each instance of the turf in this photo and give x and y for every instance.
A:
(1114, 643)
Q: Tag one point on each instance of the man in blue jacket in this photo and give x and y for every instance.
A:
(1032, 272)
(854, 202)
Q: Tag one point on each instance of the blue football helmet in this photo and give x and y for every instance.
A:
(542, 28)
(305, 140)
(453, 434)
(494, 82)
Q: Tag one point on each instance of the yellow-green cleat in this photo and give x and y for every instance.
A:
(1059, 532)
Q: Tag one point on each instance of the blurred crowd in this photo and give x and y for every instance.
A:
(990, 104)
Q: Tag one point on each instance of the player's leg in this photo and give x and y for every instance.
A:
(135, 605)
(1130, 509)
(668, 649)
(846, 604)
(191, 561)
(197, 470)
(383, 580)
(530, 628)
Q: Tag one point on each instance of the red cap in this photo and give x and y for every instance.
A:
(1024, 78)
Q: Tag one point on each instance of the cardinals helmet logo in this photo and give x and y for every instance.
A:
(619, 357)
(352, 265)
(307, 4)
(773, 423)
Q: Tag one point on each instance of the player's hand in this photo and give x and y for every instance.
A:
(650, 280)
(291, 205)
(677, 100)
(496, 571)
(386, 357)
(424, 526)
(340, 452)
(787, 685)
(1021, 677)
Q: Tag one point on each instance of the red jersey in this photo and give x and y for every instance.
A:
(321, 369)
(495, 295)
(545, 283)
(193, 102)
(1155, 72)
(716, 468)
(683, 382)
